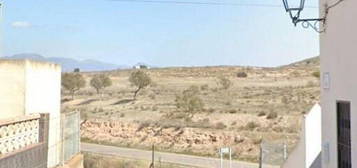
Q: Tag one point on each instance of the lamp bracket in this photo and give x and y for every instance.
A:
(310, 23)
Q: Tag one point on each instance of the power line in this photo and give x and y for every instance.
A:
(175, 2)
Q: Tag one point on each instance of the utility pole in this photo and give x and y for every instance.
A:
(261, 156)
(152, 165)
(230, 157)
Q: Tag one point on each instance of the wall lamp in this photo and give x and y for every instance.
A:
(294, 12)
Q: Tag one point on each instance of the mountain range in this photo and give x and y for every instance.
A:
(69, 64)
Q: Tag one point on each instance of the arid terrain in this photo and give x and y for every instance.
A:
(266, 105)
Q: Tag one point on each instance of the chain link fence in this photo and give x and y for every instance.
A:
(70, 134)
(272, 154)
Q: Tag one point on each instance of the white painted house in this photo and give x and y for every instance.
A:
(30, 89)
(338, 45)
(307, 153)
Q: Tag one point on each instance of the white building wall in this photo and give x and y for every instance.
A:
(338, 58)
(29, 87)
(312, 135)
(43, 95)
(12, 88)
(308, 149)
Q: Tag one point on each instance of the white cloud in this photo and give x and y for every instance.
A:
(21, 24)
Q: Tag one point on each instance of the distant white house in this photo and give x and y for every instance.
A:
(141, 66)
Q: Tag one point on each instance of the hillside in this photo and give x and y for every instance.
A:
(310, 62)
(267, 105)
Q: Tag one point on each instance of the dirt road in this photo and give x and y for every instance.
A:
(204, 162)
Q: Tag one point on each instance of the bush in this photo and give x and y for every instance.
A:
(204, 87)
(189, 101)
(211, 110)
(232, 111)
(272, 115)
(262, 113)
(155, 108)
(220, 125)
(251, 125)
(224, 82)
(316, 74)
(242, 75)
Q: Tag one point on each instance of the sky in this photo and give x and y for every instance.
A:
(126, 33)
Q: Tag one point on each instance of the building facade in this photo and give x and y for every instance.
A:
(339, 99)
(307, 153)
(31, 88)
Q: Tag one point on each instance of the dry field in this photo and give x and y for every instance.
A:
(267, 105)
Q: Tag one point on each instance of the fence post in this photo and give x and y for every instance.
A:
(285, 152)
(261, 156)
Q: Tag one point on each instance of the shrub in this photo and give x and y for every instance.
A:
(262, 113)
(272, 115)
(220, 125)
(232, 111)
(310, 84)
(242, 75)
(251, 125)
(224, 82)
(189, 101)
(316, 74)
(152, 96)
(295, 74)
(204, 87)
(155, 108)
(211, 110)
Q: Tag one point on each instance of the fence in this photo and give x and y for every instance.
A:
(272, 154)
(70, 135)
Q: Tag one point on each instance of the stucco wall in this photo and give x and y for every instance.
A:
(307, 151)
(29, 87)
(12, 88)
(338, 58)
(43, 95)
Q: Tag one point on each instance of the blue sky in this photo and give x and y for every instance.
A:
(157, 34)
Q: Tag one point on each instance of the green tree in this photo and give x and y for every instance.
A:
(189, 101)
(73, 82)
(140, 80)
(224, 82)
(99, 82)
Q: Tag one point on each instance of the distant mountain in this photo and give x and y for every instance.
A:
(69, 64)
